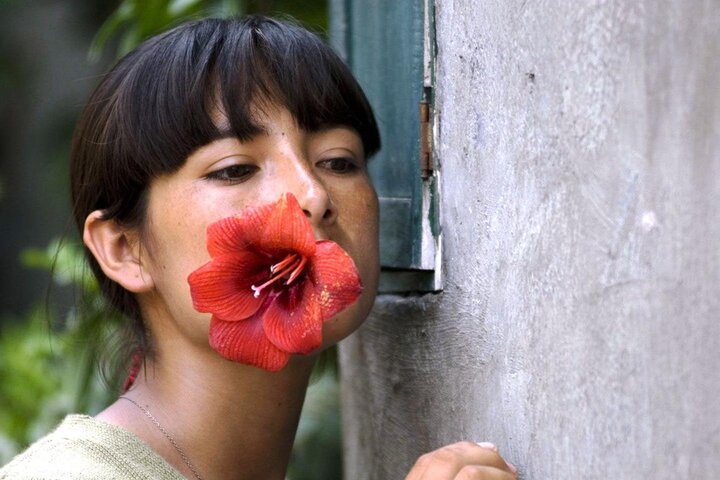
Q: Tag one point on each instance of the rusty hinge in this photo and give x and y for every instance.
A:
(426, 160)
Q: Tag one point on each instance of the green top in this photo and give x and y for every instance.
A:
(84, 448)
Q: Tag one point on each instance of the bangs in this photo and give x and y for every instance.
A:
(176, 85)
(282, 64)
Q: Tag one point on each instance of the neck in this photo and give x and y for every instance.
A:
(230, 420)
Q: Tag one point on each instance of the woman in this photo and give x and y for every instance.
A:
(210, 122)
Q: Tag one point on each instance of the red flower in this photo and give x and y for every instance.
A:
(270, 285)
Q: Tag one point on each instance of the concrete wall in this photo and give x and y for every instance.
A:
(579, 327)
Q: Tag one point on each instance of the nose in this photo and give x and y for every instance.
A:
(318, 206)
(312, 195)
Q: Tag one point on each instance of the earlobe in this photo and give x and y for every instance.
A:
(117, 252)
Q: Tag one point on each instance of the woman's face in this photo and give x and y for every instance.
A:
(325, 171)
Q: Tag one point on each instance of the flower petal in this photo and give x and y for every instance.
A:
(245, 342)
(336, 279)
(222, 286)
(236, 233)
(288, 229)
(293, 320)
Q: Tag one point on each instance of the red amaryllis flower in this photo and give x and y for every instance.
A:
(270, 285)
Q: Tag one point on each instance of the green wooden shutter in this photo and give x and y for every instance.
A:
(384, 43)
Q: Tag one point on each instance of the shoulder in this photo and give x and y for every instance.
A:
(85, 448)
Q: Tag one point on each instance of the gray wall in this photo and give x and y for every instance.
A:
(579, 327)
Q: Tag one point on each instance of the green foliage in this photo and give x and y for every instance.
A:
(135, 20)
(29, 383)
(65, 261)
(317, 452)
(48, 362)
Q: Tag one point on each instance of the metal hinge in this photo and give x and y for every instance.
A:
(426, 157)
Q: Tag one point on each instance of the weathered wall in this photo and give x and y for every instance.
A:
(579, 327)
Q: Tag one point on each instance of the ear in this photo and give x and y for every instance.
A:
(118, 252)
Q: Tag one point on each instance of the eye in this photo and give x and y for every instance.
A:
(233, 173)
(339, 164)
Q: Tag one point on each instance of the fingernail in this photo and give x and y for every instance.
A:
(512, 467)
(488, 445)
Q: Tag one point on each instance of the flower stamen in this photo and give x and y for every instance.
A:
(298, 270)
(289, 265)
(289, 259)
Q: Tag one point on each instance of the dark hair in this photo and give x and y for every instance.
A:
(161, 102)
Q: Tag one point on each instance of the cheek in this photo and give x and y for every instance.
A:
(358, 225)
(175, 251)
(175, 247)
(179, 214)
(370, 242)
(359, 237)
(365, 224)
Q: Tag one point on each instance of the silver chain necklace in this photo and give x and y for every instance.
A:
(167, 435)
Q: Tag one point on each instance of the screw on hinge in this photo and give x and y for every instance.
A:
(426, 163)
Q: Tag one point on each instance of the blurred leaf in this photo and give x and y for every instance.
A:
(66, 261)
(35, 258)
(136, 20)
(28, 375)
(110, 27)
(317, 452)
(46, 374)
(227, 8)
(180, 8)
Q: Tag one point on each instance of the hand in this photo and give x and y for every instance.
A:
(463, 461)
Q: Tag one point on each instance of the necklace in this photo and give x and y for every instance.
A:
(166, 434)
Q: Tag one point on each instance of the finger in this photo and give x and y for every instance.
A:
(446, 462)
(421, 464)
(482, 472)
